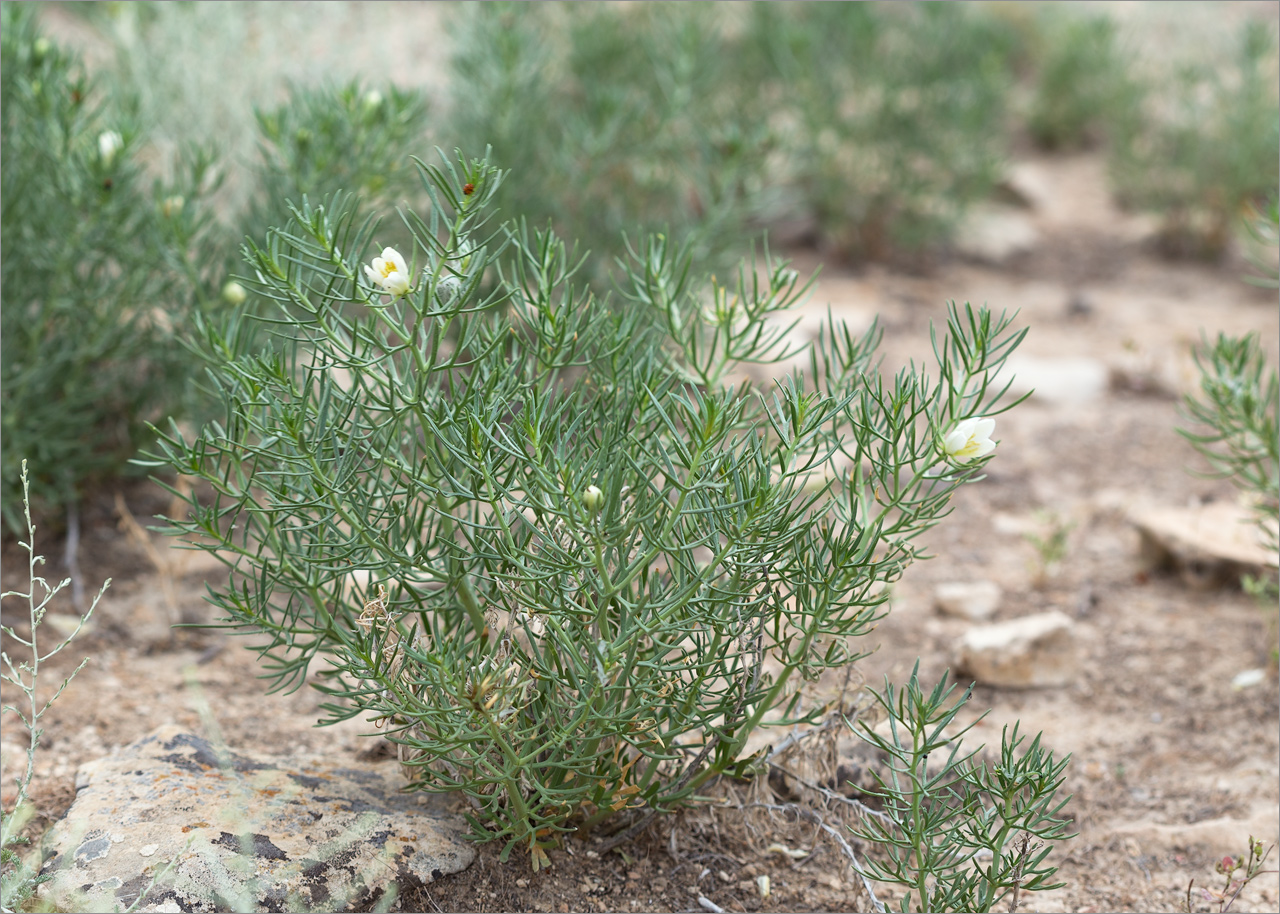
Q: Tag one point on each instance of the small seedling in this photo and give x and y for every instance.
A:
(1051, 548)
(1236, 873)
(18, 876)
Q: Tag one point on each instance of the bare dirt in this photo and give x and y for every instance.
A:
(1172, 767)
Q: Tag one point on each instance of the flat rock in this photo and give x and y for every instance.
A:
(1208, 545)
(197, 827)
(1032, 652)
(976, 601)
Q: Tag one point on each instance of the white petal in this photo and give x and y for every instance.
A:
(955, 441)
(982, 449)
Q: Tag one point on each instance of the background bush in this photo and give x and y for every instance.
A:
(893, 115)
(620, 121)
(1203, 145)
(89, 304)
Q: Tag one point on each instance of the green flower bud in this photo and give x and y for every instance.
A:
(591, 499)
(40, 49)
(234, 293)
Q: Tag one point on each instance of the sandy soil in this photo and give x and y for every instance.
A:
(1172, 768)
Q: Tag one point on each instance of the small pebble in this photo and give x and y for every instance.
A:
(762, 883)
(149, 849)
(1248, 678)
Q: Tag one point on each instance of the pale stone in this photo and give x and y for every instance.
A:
(1057, 381)
(976, 601)
(1209, 545)
(221, 830)
(995, 234)
(1247, 679)
(1032, 652)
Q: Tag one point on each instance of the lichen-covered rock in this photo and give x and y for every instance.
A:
(197, 827)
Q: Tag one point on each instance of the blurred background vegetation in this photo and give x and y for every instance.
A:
(864, 130)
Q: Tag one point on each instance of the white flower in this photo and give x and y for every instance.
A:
(390, 272)
(970, 440)
(109, 143)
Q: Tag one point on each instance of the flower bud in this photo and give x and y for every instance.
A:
(591, 499)
(372, 99)
(109, 143)
(172, 205)
(234, 293)
(40, 49)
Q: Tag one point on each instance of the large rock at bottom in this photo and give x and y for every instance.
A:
(1032, 652)
(197, 827)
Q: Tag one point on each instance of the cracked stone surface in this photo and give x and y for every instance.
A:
(195, 826)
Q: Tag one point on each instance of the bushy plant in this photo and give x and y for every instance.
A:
(89, 302)
(567, 554)
(1237, 431)
(1202, 147)
(1082, 82)
(961, 834)
(349, 136)
(893, 115)
(623, 119)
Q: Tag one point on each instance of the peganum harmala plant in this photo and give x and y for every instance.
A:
(563, 550)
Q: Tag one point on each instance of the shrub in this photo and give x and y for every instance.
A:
(941, 822)
(567, 555)
(1238, 432)
(1082, 83)
(89, 303)
(622, 120)
(893, 115)
(1201, 150)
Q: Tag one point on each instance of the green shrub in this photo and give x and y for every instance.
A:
(89, 300)
(622, 120)
(548, 544)
(1082, 83)
(1236, 425)
(893, 116)
(1200, 150)
(961, 834)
